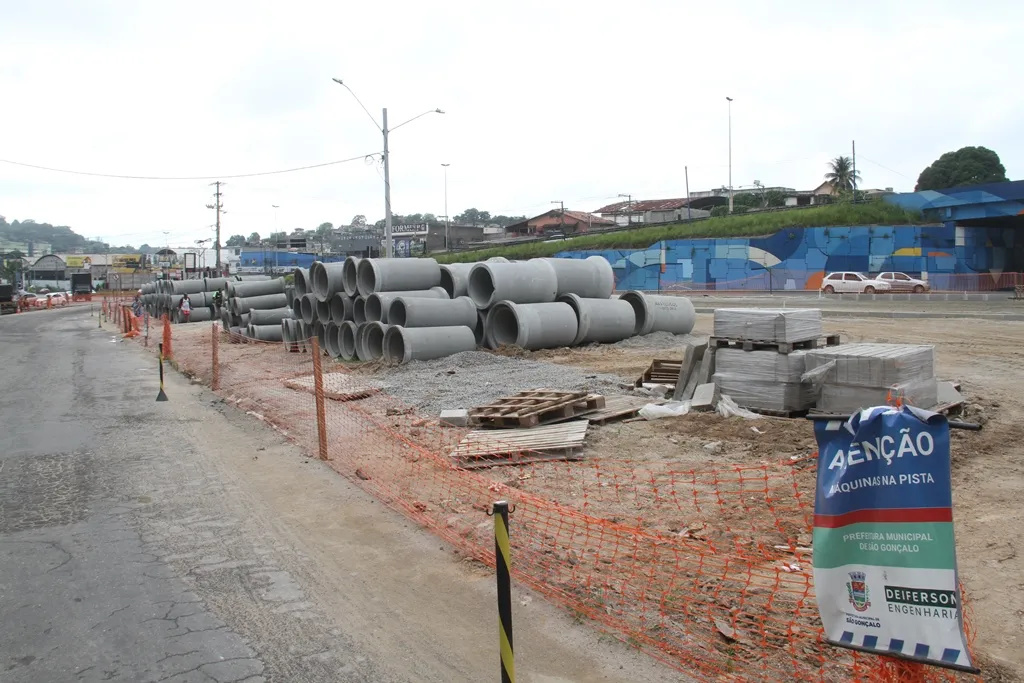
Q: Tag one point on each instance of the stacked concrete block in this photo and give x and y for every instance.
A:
(866, 375)
(764, 380)
(768, 324)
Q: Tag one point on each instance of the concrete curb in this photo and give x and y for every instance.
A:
(1009, 317)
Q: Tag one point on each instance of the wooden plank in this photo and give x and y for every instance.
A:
(339, 386)
(617, 407)
(525, 460)
(581, 405)
(482, 442)
(527, 403)
(661, 371)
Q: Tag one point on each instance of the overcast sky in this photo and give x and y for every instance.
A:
(572, 101)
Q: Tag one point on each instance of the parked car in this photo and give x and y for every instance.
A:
(901, 282)
(55, 299)
(849, 282)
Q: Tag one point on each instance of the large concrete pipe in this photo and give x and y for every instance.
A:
(258, 288)
(270, 333)
(377, 304)
(241, 320)
(373, 339)
(323, 310)
(297, 307)
(350, 276)
(186, 286)
(481, 327)
(341, 307)
(498, 259)
(532, 326)
(347, 340)
(252, 278)
(397, 275)
(331, 339)
(288, 336)
(226, 319)
(455, 278)
(361, 353)
(197, 299)
(525, 283)
(246, 304)
(404, 344)
(326, 279)
(320, 330)
(421, 312)
(307, 307)
(198, 315)
(289, 291)
(212, 284)
(654, 313)
(269, 316)
(359, 310)
(235, 334)
(301, 279)
(590, 278)
(601, 320)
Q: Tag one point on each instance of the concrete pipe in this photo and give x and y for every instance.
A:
(289, 291)
(198, 315)
(326, 279)
(341, 307)
(481, 327)
(498, 259)
(269, 333)
(252, 278)
(347, 340)
(654, 313)
(307, 308)
(186, 286)
(197, 299)
(269, 316)
(331, 339)
(226, 319)
(258, 288)
(404, 344)
(297, 307)
(350, 276)
(420, 312)
(532, 326)
(373, 339)
(361, 353)
(455, 278)
(246, 304)
(359, 310)
(301, 279)
(522, 283)
(601, 320)
(323, 310)
(589, 278)
(377, 305)
(287, 336)
(397, 275)
(236, 333)
(212, 284)
(320, 330)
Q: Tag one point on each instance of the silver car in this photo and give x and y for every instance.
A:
(850, 282)
(901, 282)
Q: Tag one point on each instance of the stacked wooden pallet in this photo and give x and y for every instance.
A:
(536, 407)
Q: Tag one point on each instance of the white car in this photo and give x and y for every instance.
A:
(901, 282)
(853, 283)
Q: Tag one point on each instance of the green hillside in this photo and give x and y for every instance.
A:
(745, 225)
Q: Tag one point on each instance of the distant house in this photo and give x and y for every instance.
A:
(650, 211)
(559, 223)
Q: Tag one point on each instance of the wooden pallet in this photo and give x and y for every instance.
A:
(338, 386)
(489, 448)
(536, 407)
(779, 413)
(662, 371)
(768, 345)
(617, 408)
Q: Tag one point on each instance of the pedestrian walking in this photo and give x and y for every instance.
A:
(185, 306)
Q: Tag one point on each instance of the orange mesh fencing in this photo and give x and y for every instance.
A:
(707, 570)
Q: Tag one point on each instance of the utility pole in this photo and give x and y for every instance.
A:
(562, 204)
(730, 153)
(447, 236)
(273, 272)
(629, 207)
(686, 172)
(219, 209)
(854, 176)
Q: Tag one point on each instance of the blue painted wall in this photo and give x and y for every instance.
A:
(951, 257)
(255, 259)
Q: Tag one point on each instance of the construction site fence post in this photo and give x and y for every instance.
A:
(318, 393)
(215, 357)
(503, 573)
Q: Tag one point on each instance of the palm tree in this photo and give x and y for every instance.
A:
(841, 175)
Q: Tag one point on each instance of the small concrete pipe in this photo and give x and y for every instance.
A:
(455, 278)
(397, 275)
(331, 339)
(421, 312)
(361, 353)
(532, 326)
(373, 339)
(258, 288)
(601, 320)
(341, 307)
(359, 310)
(347, 340)
(654, 313)
(404, 344)
(301, 277)
(350, 276)
(323, 310)
(377, 304)
(269, 316)
(524, 283)
(307, 306)
(246, 304)
(589, 278)
(270, 333)
(326, 279)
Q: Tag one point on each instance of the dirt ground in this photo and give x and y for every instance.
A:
(988, 468)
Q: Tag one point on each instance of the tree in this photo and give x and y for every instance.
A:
(276, 237)
(235, 241)
(966, 166)
(324, 228)
(254, 238)
(774, 199)
(429, 218)
(470, 216)
(841, 175)
(750, 200)
(359, 221)
(146, 249)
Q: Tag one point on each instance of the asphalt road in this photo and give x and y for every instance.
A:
(181, 541)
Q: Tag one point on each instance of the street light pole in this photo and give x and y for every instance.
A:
(730, 153)
(447, 235)
(275, 207)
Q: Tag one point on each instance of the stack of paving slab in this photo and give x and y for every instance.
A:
(765, 379)
(865, 375)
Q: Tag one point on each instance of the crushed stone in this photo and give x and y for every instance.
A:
(659, 340)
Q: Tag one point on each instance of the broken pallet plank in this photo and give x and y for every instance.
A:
(661, 371)
(617, 407)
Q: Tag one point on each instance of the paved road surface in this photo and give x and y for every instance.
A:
(181, 541)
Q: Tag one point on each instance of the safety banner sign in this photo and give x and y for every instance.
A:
(884, 558)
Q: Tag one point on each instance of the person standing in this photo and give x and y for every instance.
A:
(185, 306)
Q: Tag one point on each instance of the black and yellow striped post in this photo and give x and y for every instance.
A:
(161, 396)
(503, 566)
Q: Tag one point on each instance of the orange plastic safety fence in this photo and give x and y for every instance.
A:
(705, 569)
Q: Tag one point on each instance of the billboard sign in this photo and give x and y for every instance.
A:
(130, 261)
(885, 571)
(78, 261)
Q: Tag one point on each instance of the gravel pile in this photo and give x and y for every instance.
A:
(659, 340)
(474, 378)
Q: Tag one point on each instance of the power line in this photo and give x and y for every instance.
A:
(891, 170)
(207, 177)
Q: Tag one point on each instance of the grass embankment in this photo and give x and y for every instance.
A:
(744, 225)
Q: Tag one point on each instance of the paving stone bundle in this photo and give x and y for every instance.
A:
(856, 376)
(768, 324)
(764, 380)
